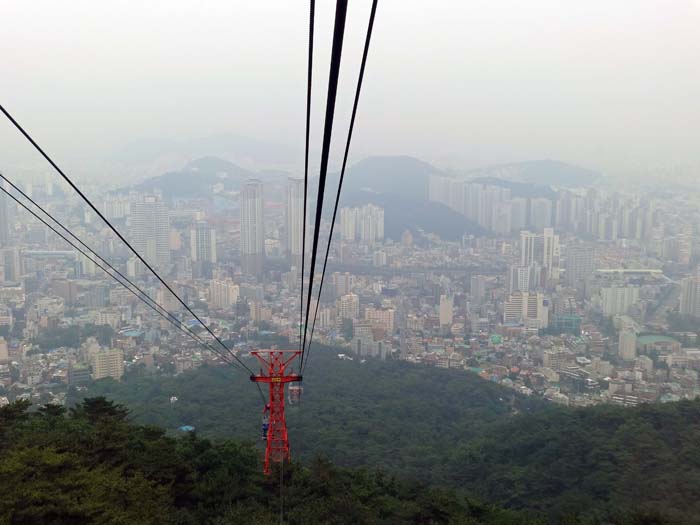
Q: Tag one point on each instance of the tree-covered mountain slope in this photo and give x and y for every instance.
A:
(450, 428)
(91, 465)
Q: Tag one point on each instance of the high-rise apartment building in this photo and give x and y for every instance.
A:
(365, 224)
(523, 278)
(150, 229)
(202, 242)
(477, 288)
(11, 260)
(342, 283)
(4, 222)
(381, 317)
(446, 310)
(528, 308)
(223, 293)
(252, 228)
(542, 249)
(627, 344)
(690, 296)
(371, 223)
(616, 300)
(551, 254)
(349, 306)
(540, 213)
(348, 224)
(108, 362)
(295, 220)
(528, 248)
(580, 264)
(518, 213)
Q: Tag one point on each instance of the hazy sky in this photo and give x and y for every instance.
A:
(611, 84)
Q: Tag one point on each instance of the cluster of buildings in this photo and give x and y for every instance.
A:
(584, 297)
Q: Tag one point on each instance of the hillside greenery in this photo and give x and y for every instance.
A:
(392, 415)
(90, 465)
(452, 429)
(593, 461)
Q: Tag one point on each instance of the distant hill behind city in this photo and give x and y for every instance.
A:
(399, 184)
(199, 178)
(404, 213)
(539, 173)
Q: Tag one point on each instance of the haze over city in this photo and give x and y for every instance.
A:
(449, 272)
(608, 85)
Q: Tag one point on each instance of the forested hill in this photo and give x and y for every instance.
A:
(595, 460)
(393, 415)
(91, 466)
(450, 428)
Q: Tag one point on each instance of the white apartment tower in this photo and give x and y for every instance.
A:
(150, 227)
(202, 242)
(252, 227)
(690, 296)
(365, 224)
(446, 310)
(295, 220)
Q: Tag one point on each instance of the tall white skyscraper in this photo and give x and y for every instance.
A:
(348, 306)
(371, 223)
(252, 227)
(348, 224)
(524, 307)
(523, 278)
(528, 242)
(446, 310)
(223, 294)
(202, 242)
(580, 264)
(540, 213)
(627, 344)
(542, 249)
(295, 220)
(690, 296)
(4, 221)
(365, 223)
(616, 300)
(551, 254)
(150, 227)
(518, 213)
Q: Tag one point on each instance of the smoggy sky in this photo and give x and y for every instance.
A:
(609, 84)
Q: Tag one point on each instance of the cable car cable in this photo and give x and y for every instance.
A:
(336, 53)
(358, 89)
(312, 9)
(116, 232)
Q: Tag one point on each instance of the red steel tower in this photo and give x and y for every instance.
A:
(275, 363)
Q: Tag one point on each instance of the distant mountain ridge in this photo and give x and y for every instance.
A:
(540, 173)
(199, 177)
(399, 184)
(402, 175)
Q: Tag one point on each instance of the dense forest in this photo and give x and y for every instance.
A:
(392, 415)
(90, 465)
(452, 429)
(591, 461)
